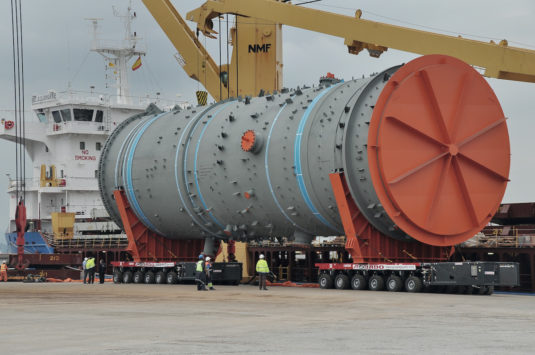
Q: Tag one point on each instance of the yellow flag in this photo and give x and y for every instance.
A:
(137, 64)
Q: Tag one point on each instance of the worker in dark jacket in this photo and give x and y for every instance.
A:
(262, 269)
(208, 268)
(101, 270)
(84, 268)
(200, 275)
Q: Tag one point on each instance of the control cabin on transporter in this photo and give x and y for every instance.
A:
(406, 163)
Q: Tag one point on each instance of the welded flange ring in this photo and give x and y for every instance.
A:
(438, 150)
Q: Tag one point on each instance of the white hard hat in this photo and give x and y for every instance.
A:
(85, 258)
(3, 262)
(208, 258)
(261, 256)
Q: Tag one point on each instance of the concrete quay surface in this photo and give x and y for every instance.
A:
(72, 318)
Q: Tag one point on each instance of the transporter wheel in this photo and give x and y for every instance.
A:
(160, 277)
(376, 283)
(358, 282)
(394, 283)
(413, 284)
(490, 290)
(450, 289)
(461, 290)
(325, 281)
(138, 277)
(149, 277)
(172, 277)
(117, 277)
(341, 282)
(127, 277)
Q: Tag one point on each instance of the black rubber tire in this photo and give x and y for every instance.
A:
(172, 277)
(127, 277)
(325, 281)
(376, 283)
(117, 277)
(461, 290)
(451, 289)
(394, 283)
(358, 282)
(149, 277)
(139, 276)
(341, 282)
(160, 277)
(470, 290)
(490, 290)
(413, 284)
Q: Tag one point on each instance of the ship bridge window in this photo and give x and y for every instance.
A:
(41, 115)
(99, 116)
(66, 114)
(56, 116)
(98, 146)
(81, 114)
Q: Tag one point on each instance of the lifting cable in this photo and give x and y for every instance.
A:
(237, 62)
(18, 92)
(228, 64)
(220, 79)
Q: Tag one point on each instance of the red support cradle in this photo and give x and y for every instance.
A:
(146, 245)
(367, 245)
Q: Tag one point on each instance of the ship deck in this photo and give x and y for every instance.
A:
(65, 318)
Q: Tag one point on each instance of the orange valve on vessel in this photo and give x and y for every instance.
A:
(248, 141)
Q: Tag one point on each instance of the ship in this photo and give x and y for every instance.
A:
(64, 139)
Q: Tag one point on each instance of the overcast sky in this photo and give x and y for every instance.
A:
(57, 40)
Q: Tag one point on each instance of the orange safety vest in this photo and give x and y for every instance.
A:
(3, 267)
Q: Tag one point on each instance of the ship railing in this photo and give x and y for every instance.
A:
(73, 183)
(28, 183)
(503, 237)
(103, 99)
(108, 242)
(76, 126)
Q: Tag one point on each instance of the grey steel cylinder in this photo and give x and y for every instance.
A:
(248, 168)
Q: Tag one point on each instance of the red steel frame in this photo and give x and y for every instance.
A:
(367, 245)
(20, 222)
(146, 245)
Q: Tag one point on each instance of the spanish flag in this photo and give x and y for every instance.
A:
(137, 64)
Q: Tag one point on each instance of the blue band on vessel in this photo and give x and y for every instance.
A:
(297, 159)
(195, 164)
(184, 131)
(268, 177)
(121, 152)
(129, 186)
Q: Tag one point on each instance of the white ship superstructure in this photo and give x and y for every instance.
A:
(64, 141)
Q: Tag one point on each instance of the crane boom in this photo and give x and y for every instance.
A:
(197, 63)
(499, 60)
(248, 72)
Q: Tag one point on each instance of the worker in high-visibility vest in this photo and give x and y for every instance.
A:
(200, 275)
(90, 266)
(262, 269)
(3, 271)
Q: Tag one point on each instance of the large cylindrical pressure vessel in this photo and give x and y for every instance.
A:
(424, 149)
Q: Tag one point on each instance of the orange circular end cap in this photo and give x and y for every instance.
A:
(248, 140)
(438, 150)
